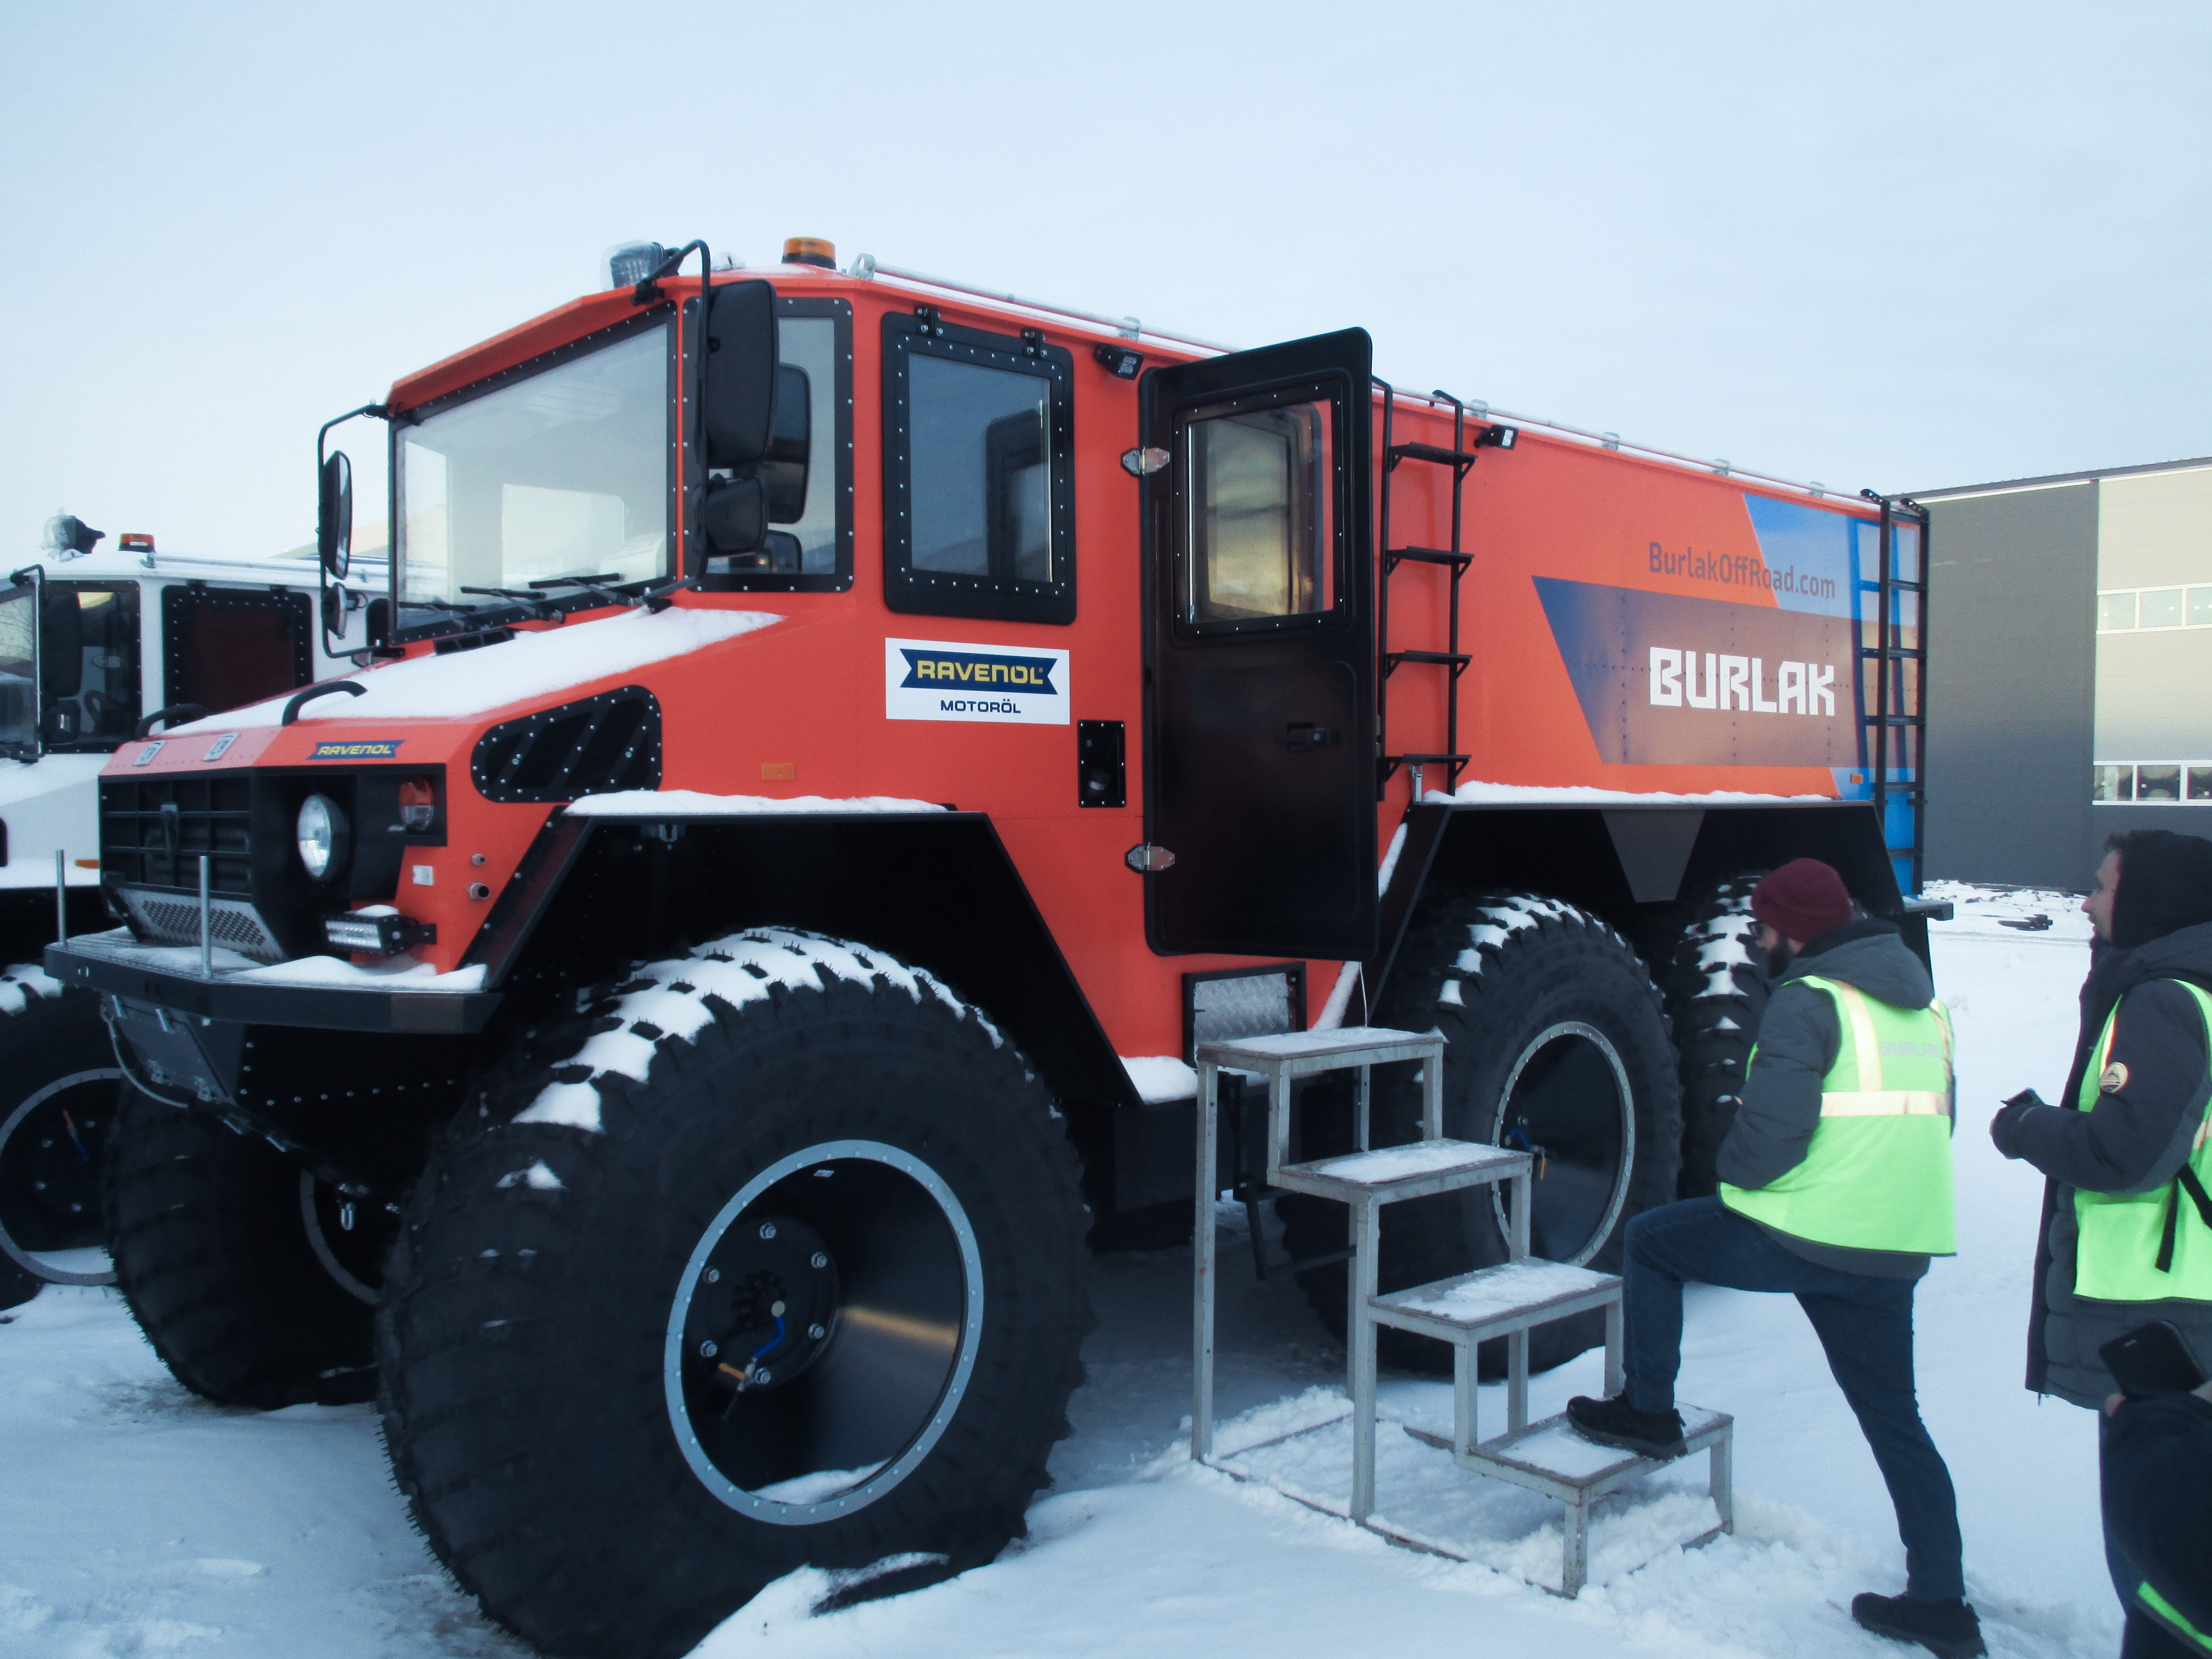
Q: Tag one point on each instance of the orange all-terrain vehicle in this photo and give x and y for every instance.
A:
(672, 1024)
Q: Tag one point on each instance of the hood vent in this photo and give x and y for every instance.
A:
(593, 747)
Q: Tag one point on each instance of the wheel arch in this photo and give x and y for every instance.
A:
(1630, 864)
(936, 889)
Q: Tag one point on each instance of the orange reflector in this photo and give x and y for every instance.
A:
(809, 250)
(779, 771)
(87, 864)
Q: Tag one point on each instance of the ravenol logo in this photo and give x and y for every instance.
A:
(373, 748)
(936, 680)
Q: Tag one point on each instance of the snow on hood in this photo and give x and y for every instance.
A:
(690, 803)
(530, 665)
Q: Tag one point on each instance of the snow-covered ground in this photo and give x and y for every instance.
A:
(138, 1520)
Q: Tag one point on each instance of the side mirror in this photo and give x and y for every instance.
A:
(735, 517)
(783, 468)
(61, 648)
(334, 515)
(740, 374)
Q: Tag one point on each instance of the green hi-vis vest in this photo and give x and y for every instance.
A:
(2144, 1247)
(1877, 1175)
(2162, 1610)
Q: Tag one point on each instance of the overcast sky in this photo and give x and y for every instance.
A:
(1895, 246)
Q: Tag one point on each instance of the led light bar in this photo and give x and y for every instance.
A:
(380, 934)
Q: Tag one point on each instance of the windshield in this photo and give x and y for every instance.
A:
(19, 669)
(564, 473)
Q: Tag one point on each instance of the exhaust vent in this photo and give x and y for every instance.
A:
(593, 747)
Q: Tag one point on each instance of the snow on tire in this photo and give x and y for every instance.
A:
(1715, 988)
(772, 1256)
(1556, 1042)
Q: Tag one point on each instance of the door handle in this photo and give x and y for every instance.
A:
(1303, 735)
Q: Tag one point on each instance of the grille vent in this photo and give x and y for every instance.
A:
(234, 924)
(593, 747)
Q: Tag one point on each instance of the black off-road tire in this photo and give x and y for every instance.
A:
(58, 1090)
(216, 1258)
(538, 1357)
(1492, 973)
(1716, 988)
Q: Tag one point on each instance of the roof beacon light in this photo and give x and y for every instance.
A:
(135, 541)
(633, 262)
(809, 250)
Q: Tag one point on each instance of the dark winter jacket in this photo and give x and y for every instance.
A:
(2158, 1497)
(1798, 1040)
(2135, 1141)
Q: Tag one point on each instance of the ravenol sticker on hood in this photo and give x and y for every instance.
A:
(357, 749)
(936, 680)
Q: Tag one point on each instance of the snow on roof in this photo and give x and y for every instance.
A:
(690, 803)
(533, 665)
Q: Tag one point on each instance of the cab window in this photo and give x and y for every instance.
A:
(225, 647)
(1259, 532)
(977, 477)
(88, 664)
(812, 553)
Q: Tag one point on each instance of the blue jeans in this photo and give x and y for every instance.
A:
(1865, 1324)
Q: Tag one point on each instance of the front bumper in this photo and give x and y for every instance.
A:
(168, 976)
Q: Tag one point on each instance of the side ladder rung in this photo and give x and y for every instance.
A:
(1435, 453)
(1452, 659)
(1428, 556)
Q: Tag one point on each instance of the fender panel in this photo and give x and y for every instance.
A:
(1629, 863)
(934, 888)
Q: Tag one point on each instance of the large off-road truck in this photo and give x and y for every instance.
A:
(94, 648)
(670, 1030)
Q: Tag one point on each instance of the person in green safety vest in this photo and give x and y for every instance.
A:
(2127, 1222)
(1835, 1187)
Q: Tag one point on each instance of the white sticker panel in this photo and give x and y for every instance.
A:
(938, 680)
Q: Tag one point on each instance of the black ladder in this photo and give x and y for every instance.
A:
(1460, 459)
(1900, 673)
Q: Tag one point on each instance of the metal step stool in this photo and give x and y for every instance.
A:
(1506, 1300)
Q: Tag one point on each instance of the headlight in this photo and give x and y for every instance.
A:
(322, 832)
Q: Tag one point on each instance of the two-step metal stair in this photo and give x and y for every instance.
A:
(1507, 1300)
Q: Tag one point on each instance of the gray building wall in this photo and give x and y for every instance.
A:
(2011, 667)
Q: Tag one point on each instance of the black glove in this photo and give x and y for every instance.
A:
(2004, 1128)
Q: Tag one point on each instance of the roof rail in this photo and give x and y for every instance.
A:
(867, 268)
(1818, 490)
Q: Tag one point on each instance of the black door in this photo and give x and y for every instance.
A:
(1260, 762)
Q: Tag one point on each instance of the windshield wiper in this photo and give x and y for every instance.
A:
(539, 610)
(592, 586)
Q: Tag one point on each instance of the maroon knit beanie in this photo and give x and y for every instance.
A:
(1803, 900)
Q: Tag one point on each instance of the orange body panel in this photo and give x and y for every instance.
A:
(798, 708)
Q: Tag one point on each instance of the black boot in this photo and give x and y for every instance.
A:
(1614, 1422)
(1947, 1628)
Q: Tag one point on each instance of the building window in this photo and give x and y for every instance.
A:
(2123, 609)
(2156, 783)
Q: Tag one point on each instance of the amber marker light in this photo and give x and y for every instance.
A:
(809, 250)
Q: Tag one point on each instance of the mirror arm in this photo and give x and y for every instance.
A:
(376, 411)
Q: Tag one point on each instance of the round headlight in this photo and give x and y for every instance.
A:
(322, 829)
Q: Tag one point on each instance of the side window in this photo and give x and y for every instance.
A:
(223, 647)
(813, 552)
(1261, 536)
(89, 662)
(978, 483)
